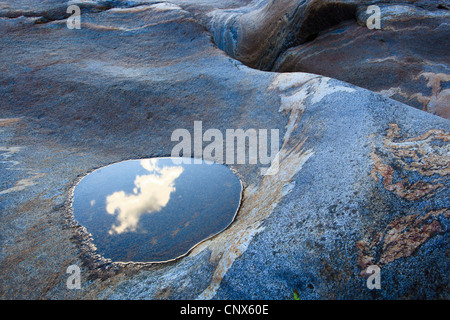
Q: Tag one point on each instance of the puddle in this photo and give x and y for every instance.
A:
(155, 210)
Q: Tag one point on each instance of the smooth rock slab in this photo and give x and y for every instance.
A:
(405, 60)
(362, 179)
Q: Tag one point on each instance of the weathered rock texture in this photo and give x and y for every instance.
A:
(363, 179)
(406, 60)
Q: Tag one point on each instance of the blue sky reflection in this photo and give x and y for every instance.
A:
(154, 210)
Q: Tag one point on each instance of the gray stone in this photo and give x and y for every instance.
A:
(362, 179)
(406, 60)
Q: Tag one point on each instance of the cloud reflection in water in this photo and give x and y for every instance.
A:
(155, 210)
(151, 194)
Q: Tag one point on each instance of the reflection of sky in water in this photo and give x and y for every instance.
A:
(151, 193)
(153, 209)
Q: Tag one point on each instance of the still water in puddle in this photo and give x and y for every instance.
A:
(154, 210)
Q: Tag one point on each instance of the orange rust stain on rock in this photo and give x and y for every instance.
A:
(8, 122)
(426, 154)
(400, 239)
(163, 294)
(438, 101)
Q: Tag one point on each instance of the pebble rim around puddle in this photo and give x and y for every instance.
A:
(157, 209)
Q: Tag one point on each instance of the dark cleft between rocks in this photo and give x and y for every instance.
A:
(322, 18)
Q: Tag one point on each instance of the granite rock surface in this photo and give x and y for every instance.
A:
(362, 180)
(404, 57)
